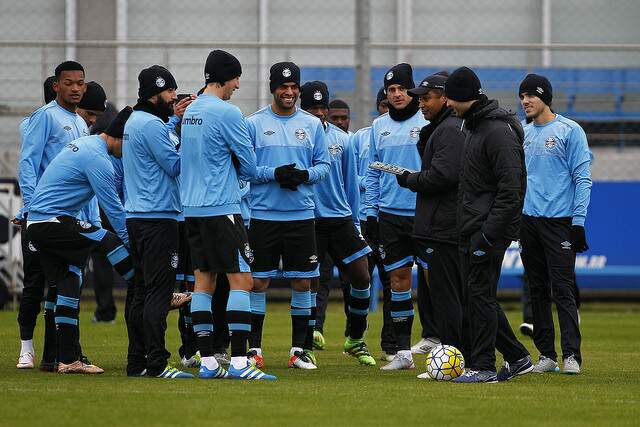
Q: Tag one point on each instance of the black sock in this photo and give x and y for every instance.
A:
(258, 309)
(300, 314)
(358, 310)
(239, 320)
(402, 317)
(202, 322)
(308, 340)
(66, 319)
(50, 349)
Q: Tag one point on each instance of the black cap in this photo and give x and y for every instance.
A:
(381, 96)
(283, 72)
(401, 74)
(221, 67)
(313, 94)
(537, 85)
(49, 93)
(434, 81)
(116, 127)
(154, 80)
(94, 98)
(463, 85)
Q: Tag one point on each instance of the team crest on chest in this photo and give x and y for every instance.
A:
(414, 132)
(550, 142)
(300, 134)
(335, 149)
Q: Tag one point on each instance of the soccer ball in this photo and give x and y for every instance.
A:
(444, 363)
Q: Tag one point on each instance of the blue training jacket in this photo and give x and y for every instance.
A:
(392, 142)
(151, 167)
(281, 140)
(360, 141)
(558, 163)
(80, 172)
(338, 195)
(213, 132)
(44, 134)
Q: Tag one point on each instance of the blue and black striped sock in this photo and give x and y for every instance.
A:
(49, 348)
(258, 310)
(239, 320)
(402, 317)
(300, 314)
(202, 319)
(66, 319)
(121, 262)
(308, 341)
(358, 310)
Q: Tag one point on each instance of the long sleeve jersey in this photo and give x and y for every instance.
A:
(338, 195)
(558, 163)
(81, 171)
(213, 133)
(392, 142)
(360, 141)
(44, 134)
(151, 166)
(281, 140)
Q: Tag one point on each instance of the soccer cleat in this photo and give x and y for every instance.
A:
(218, 373)
(84, 359)
(571, 366)
(399, 362)
(318, 340)
(300, 360)
(249, 372)
(425, 345)
(222, 358)
(171, 372)
(48, 366)
(25, 361)
(78, 367)
(178, 299)
(359, 350)
(546, 364)
(519, 367)
(255, 359)
(387, 357)
(192, 362)
(311, 356)
(526, 329)
(470, 376)
(424, 376)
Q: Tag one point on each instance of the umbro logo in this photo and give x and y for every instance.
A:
(566, 245)
(67, 128)
(385, 133)
(313, 259)
(269, 132)
(479, 253)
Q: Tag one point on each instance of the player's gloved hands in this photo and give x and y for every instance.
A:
(299, 176)
(373, 231)
(283, 173)
(578, 239)
(402, 179)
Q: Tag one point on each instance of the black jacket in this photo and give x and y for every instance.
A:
(441, 144)
(493, 177)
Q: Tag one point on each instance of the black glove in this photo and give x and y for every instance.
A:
(283, 173)
(373, 231)
(402, 179)
(299, 176)
(578, 239)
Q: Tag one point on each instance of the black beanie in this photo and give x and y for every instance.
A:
(283, 72)
(221, 67)
(116, 127)
(381, 96)
(537, 85)
(94, 98)
(154, 80)
(463, 85)
(49, 93)
(400, 74)
(314, 93)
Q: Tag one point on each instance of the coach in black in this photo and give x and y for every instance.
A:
(436, 185)
(490, 199)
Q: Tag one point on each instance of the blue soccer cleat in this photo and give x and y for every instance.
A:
(171, 373)
(250, 372)
(215, 374)
(470, 376)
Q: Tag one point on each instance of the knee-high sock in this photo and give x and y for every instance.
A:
(258, 310)
(49, 350)
(300, 313)
(402, 316)
(202, 319)
(308, 340)
(121, 261)
(239, 320)
(66, 315)
(358, 310)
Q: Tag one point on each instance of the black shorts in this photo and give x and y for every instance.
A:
(341, 239)
(219, 244)
(397, 249)
(184, 272)
(294, 241)
(424, 251)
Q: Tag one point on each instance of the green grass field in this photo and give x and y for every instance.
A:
(339, 393)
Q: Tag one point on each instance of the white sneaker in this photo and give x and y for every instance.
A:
(25, 361)
(399, 362)
(425, 345)
(424, 376)
(300, 360)
(546, 364)
(571, 366)
(526, 329)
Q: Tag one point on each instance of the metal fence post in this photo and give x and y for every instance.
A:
(363, 62)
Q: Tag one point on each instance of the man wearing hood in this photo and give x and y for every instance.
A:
(490, 198)
(391, 208)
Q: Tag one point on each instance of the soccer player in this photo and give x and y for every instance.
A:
(436, 186)
(152, 201)
(558, 164)
(81, 171)
(490, 194)
(93, 104)
(292, 156)
(391, 208)
(45, 133)
(337, 200)
(339, 114)
(217, 152)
